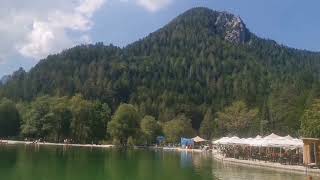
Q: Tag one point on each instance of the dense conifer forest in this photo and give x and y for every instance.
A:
(203, 73)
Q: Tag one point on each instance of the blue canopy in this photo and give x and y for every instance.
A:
(160, 139)
(186, 142)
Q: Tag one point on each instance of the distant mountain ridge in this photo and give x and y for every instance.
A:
(18, 73)
(202, 60)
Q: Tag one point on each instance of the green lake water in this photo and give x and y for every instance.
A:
(74, 163)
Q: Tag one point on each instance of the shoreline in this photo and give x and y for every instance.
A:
(10, 142)
(181, 149)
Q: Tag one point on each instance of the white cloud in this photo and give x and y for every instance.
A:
(153, 5)
(50, 35)
(2, 59)
(35, 28)
(88, 7)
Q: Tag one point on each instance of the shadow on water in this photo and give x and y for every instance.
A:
(75, 163)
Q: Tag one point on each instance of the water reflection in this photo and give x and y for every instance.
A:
(186, 159)
(70, 163)
(238, 172)
(204, 164)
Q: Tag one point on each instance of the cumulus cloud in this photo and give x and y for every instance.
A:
(50, 35)
(2, 60)
(35, 28)
(88, 7)
(153, 5)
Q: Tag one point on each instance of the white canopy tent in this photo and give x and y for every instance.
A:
(289, 137)
(223, 140)
(271, 140)
(272, 136)
(198, 139)
(227, 140)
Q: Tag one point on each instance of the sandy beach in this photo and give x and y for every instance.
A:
(182, 149)
(10, 142)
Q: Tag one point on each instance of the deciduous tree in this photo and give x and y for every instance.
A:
(177, 128)
(236, 118)
(310, 122)
(124, 123)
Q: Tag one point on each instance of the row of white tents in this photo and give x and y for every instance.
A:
(272, 140)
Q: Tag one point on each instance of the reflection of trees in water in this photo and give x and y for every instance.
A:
(197, 163)
(59, 163)
(8, 157)
(8, 162)
(31, 162)
(44, 162)
(201, 159)
(194, 159)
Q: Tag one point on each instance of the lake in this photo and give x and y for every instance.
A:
(20, 162)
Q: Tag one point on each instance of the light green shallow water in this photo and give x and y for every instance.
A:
(58, 163)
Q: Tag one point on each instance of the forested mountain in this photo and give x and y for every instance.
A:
(197, 65)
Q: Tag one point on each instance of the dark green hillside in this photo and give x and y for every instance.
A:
(198, 64)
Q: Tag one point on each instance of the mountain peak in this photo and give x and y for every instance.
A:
(230, 27)
(235, 29)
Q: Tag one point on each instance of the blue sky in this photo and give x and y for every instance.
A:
(31, 30)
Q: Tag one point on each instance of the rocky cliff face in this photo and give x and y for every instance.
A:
(233, 28)
(226, 25)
